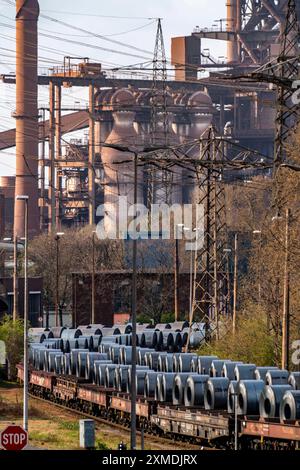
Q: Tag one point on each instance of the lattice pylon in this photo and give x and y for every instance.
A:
(211, 297)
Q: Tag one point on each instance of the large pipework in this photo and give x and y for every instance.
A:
(233, 24)
(27, 13)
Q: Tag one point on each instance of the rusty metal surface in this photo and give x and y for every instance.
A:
(92, 394)
(42, 379)
(271, 429)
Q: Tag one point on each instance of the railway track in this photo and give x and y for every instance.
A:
(163, 440)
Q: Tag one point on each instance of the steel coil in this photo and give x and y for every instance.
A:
(109, 332)
(270, 400)
(175, 358)
(216, 367)
(140, 381)
(167, 341)
(194, 390)
(166, 389)
(142, 354)
(159, 340)
(168, 363)
(123, 329)
(196, 339)
(244, 372)
(105, 347)
(289, 409)
(46, 357)
(228, 370)
(56, 331)
(184, 337)
(95, 342)
(123, 340)
(161, 362)
(51, 360)
(249, 392)
(121, 377)
(83, 342)
(178, 387)
(204, 363)
(138, 369)
(277, 377)
(150, 384)
(260, 372)
(81, 364)
(157, 394)
(294, 380)
(109, 375)
(59, 363)
(66, 364)
(71, 344)
(232, 396)
(74, 358)
(179, 325)
(126, 355)
(184, 362)
(115, 354)
(37, 338)
(99, 375)
(152, 360)
(162, 326)
(89, 331)
(71, 333)
(91, 358)
(149, 339)
(215, 394)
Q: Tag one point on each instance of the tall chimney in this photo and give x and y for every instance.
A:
(26, 115)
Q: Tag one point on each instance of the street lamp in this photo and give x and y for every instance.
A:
(25, 390)
(57, 308)
(93, 278)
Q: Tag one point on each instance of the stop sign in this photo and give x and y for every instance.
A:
(14, 438)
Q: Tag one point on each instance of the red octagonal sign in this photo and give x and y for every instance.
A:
(14, 438)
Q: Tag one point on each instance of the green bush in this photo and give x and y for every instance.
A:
(11, 332)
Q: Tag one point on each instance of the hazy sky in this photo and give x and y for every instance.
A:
(136, 28)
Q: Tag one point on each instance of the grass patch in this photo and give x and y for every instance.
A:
(44, 437)
(69, 425)
(8, 385)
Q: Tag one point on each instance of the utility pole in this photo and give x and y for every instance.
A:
(93, 279)
(286, 296)
(134, 310)
(235, 282)
(15, 280)
(57, 305)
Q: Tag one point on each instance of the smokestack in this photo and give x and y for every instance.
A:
(27, 13)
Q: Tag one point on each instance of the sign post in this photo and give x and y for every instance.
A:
(14, 438)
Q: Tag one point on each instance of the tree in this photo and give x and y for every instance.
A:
(11, 332)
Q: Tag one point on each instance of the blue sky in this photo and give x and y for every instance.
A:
(135, 29)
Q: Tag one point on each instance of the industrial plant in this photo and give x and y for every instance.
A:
(149, 241)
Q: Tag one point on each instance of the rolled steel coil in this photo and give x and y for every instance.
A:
(123, 329)
(46, 357)
(123, 340)
(244, 372)
(260, 372)
(178, 387)
(105, 347)
(96, 374)
(53, 343)
(121, 377)
(51, 360)
(81, 364)
(194, 390)
(289, 409)
(95, 342)
(204, 363)
(142, 354)
(166, 341)
(184, 362)
(177, 341)
(216, 367)
(95, 325)
(37, 338)
(141, 327)
(161, 362)
(159, 341)
(196, 339)
(215, 394)
(169, 363)
(126, 355)
(184, 337)
(71, 333)
(150, 384)
(140, 381)
(74, 358)
(71, 344)
(32, 348)
(129, 378)
(149, 339)
(66, 364)
(294, 380)
(249, 392)
(277, 377)
(91, 358)
(110, 331)
(228, 370)
(157, 394)
(83, 342)
(232, 396)
(175, 357)
(270, 400)
(162, 326)
(166, 389)
(109, 375)
(89, 331)
(115, 354)
(59, 363)
(56, 331)
(179, 325)
(152, 360)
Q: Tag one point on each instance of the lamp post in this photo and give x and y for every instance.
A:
(25, 390)
(93, 278)
(57, 307)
